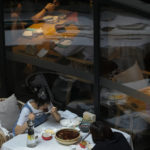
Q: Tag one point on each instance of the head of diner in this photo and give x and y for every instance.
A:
(105, 139)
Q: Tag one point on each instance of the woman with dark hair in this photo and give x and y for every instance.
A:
(105, 139)
(35, 110)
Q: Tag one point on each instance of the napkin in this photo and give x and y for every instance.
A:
(67, 114)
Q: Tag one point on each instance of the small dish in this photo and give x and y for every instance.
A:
(117, 96)
(83, 144)
(46, 136)
(52, 132)
(84, 126)
(27, 33)
(64, 43)
(51, 19)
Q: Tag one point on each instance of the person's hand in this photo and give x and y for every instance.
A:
(53, 110)
(31, 116)
(50, 7)
(55, 114)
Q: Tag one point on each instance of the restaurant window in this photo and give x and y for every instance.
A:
(54, 38)
(125, 56)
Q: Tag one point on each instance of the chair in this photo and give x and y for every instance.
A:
(133, 73)
(19, 103)
(3, 137)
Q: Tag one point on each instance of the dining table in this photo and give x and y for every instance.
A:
(19, 142)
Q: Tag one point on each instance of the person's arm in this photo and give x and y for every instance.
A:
(48, 8)
(21, 128)
(55, 114)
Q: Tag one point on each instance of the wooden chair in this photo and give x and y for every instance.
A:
(3, 138)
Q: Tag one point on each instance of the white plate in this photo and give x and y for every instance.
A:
(51, 19)
(70, 122)
(66, 42)
(27, 33)
(117, 96)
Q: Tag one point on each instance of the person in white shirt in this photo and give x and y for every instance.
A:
(35, 110)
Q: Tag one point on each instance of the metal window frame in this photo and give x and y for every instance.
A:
(3, 68)
(96, 22)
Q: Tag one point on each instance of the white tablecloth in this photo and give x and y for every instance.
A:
(19, 142)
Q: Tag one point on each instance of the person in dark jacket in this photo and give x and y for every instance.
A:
(105, 139)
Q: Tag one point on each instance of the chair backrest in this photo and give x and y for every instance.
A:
(133, 73)
(3, 138)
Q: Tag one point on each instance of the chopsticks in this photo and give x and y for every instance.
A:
(82, 139)
(40, 113)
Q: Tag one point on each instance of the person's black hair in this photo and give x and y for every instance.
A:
(41, 96)
(100, 131)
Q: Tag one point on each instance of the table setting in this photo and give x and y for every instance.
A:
(63, 135)
(71, 133)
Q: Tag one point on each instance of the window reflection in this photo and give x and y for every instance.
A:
(125, 49)
(56, 31)
(54, 35)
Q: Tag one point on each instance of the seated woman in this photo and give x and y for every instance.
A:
(105, 139)
(35, 110)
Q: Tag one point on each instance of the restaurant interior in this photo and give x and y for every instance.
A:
(92, 56)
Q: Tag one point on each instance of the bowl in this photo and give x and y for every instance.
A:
(70, 122)
(83, 144)
(84, 126)
(67, 136)
(46, 136)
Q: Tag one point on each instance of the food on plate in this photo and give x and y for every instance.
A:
(27, 33)
(89, 117)
(48, 17)
(67, 134)
(117, 96)
(83, 144)
(46, 136)
(49, 131)
(65, 43)
(51, 19)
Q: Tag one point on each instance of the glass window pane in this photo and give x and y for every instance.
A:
(58, 32)
(52, 36)
(125, 64)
